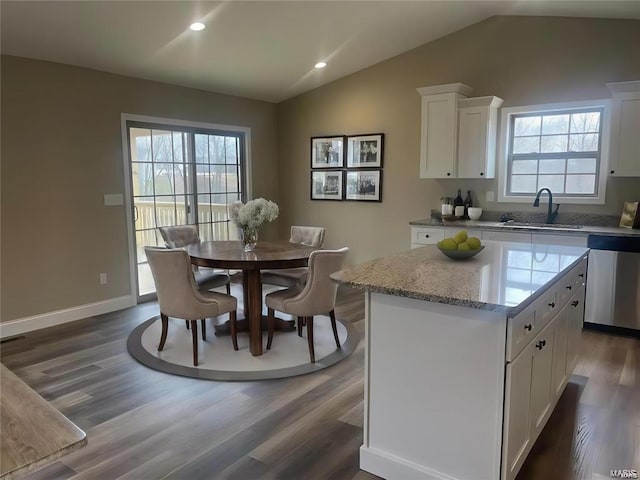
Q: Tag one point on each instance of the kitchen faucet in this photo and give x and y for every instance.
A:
(550, 215)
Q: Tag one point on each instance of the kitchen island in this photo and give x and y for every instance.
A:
(465, 360)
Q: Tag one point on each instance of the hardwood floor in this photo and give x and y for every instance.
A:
(144, 424)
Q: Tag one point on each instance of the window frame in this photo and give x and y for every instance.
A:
(504, 167)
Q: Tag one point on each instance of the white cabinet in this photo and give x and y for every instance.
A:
(624, 160)
(575, 317)
(477, 127)
(559, 378)
(554, 239)
(421, 236)
(506, 236)
(458, 134)
(438, 134)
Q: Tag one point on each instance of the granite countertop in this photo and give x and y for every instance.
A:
(504, 277)
(492, 225)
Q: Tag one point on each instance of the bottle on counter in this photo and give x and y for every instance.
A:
(467, 203)
(458, 205)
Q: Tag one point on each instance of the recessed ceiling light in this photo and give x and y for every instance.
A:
(196, 27)
(320, 65)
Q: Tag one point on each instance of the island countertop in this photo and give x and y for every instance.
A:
(504, 277)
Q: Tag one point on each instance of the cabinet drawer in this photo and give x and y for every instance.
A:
(554, 239)
(547, 306)
(506, 236)
(426, 236)
(521, 329)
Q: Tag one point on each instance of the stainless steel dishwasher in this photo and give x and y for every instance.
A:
(613, 285)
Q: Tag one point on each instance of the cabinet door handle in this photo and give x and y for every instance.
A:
(575, 303)
(541, 344)
(568, 287)
(581, 275)
(552, 304)
(528, 326)
(481, 174)
(426, 235)
(613, 171)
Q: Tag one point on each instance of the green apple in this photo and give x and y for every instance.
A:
(448, 244)
(461, 236)
(474, 243)
(464, 246)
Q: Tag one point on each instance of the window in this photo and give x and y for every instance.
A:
(562, 149)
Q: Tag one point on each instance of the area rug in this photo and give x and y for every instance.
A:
(289, 354)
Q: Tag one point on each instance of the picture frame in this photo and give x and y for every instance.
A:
(327, 185)
(327, 152)
(364, 185)
(630, 217)
(365, 151)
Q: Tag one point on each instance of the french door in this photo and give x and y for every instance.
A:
(179, 176)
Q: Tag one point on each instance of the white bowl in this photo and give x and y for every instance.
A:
(474, 213)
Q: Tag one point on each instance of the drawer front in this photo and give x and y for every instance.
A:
(426, 236)
(570, 284)
(547, 306)
(519, 237)
(553, 239)
(521, 329)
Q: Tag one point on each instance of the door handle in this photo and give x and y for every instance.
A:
(575, 303)
(135, 213)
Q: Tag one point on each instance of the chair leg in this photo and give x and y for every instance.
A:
(229, 288)
(233, 321)
(270, 321)
(165, 327)
(332, 314)
(300, 326)
(187, 322)
(312, 352)
(194, 335)
(204, 330)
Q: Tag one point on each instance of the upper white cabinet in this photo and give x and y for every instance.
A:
(458, 134)
(625, 125)
(477, 124)
(438, 135)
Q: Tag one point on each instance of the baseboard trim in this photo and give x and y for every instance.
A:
(58, 317)
(390, 466)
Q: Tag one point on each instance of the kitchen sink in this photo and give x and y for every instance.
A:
(540, 225)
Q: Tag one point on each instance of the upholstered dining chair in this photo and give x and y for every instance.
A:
(295, 277)
(178, 236)
(179, 296)
(318, 296)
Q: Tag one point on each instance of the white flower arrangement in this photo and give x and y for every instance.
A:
(250, 215)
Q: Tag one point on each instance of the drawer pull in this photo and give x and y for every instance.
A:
(581, 275)
(575, 303)
(541, 344)
(552, 304)
(528, 326)
(426, 235)
(568, 287)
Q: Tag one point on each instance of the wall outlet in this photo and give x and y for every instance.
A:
(491, 196)
(103, 279)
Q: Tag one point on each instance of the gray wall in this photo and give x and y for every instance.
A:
(62, 151)
(524, 60)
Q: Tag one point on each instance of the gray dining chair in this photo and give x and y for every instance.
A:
(318, 297)
(178, 236)
(179, 296)
(295, 277)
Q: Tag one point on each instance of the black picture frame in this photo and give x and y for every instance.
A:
(365, 151)
(327, 185)
(327, 152)
(363, 185)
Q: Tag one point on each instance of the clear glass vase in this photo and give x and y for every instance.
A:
(249, 238)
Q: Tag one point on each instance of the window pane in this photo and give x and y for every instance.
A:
(555, 183)
(216, 149)
(142, 138)
(204, 209)
(585, 122)
(584, 142)
(552, 166)
(163, 173)
(144, 211)
(581, 165)
(179, 172)
(524, 166)
(166, 210)
(554, 143)
(162, 148)
(554, 124)
(202, 178)
(232, 178)
(142, 178)
(526, 126)
(231, 144)
(177, 147)
(523, 184)
(202, 151)
(218, 183)
(585, 184)
(526, 145)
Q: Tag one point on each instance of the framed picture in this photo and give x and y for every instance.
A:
(326, 185)
(364, 185)
(630, 217)
(327, 152)
(365, 150)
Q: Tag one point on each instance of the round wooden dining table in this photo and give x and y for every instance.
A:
(266, 255)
